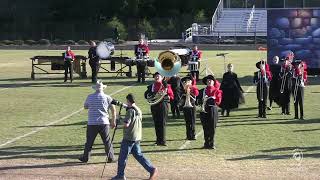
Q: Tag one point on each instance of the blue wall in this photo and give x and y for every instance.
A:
(297, 30)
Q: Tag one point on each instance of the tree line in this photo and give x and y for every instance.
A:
(96, 19)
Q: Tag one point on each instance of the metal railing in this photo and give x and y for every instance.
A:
(217, 14)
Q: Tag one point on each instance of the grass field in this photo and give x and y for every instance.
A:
(42, 129)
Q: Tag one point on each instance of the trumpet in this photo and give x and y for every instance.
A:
(204, 102)
(187, 102)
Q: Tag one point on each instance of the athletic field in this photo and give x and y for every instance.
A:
(43, 125)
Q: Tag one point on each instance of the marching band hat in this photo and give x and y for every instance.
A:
(131, 98)
(259, 63)
(204, 80)
(186, 78)
(296, 62)
(99, 86)
(156, 73)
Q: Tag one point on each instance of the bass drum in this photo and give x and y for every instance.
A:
(105, 50)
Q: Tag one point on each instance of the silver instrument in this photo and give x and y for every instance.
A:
(168, 63)
(298, 82)
(153, 99)
(193, 66)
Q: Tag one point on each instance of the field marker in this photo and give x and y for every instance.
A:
(57, 121)
(184, 145)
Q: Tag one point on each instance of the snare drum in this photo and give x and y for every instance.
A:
(193, 66)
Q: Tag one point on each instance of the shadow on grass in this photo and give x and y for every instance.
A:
(146, 123)
(40, 83)
(267, 121)
(306, 130)
(60, 152)
(307, 152)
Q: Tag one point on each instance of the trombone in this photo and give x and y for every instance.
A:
(299, 79)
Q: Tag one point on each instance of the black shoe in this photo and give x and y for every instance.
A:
(161, 144)
(288, 113)
(111, 160)
(193, 138)
(296, 117)
(82, 159)
(301, 118)
(65, 80)
(270, 108)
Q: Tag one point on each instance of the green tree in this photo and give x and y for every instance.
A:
(145, 27)
(116, 23)
(200, 17)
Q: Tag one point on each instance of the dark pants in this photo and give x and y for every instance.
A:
(132, 147)
(209, 123)
(262, 95)
(224, 110)
(141, 71)
(92, 132)
(190, 118)
(94, 64)
(68, 66)
(285, 102)
(195, 74)
(174, 106)
(299, 102)
(160, 117)
(262, 108)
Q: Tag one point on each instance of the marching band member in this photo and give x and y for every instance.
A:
(232, 92)
(196, 56)
(141, 51)
(274, 89)
(68, 60)
(187, 103)
(209, 97)
(261, 79)
(94, 61)
(298, 81)
(286, 73)
(175, 83)
(159, 109)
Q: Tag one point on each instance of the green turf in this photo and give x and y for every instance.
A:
(27, 105)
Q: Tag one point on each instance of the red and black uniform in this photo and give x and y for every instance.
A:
(209, 117)
(190, 112)
(94, 63)
(196, 55)
(175, 82)
(286, 74)
(141, 51)
(68, 64)
(160, 110)
(262, 79)
(298, 81)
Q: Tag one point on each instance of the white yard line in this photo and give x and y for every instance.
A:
(185, 144)
(57, 121)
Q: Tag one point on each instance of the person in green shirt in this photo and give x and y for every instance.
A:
(132, 133)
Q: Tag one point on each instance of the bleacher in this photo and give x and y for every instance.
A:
(230, 22)
(235, 22)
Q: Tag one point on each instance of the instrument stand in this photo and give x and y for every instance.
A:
(224, 60)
